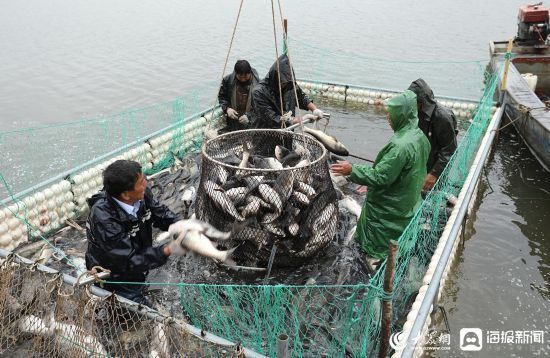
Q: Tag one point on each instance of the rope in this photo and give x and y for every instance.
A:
(291, 67)
(283, 124)
(226, 60)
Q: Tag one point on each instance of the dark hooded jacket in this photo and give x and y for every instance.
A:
(122, 243)
(227, 97)
(438, 124)
(266, 103)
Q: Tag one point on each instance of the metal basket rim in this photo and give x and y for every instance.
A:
(286, 132)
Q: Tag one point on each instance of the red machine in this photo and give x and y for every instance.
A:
(533, 24)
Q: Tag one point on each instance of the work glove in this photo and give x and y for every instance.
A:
(233, 114)
(318, 113)
(310, 117)
(243, 119)
(287, 118)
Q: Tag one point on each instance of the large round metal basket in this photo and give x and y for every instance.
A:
(294, 207)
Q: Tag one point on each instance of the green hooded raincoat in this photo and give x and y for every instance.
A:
(394, 181)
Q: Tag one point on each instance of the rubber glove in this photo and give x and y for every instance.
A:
(318, 113)
(243, 119)
(231, 113)
(310, 117)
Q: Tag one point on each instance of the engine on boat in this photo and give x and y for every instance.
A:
(532, 25)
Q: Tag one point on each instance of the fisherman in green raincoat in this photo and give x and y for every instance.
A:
(394, 181)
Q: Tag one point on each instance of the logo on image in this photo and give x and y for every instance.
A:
(471, 339)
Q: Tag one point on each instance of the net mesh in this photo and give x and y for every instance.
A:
(319, 319)
(44, 317)
(294, 207)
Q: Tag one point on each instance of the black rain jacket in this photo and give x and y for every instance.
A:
(227, 97)
(438, 124)
(266, 104)
(122, 243)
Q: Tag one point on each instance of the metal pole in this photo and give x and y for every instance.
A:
(282, 346)
(140, 309)
(425, 307)
(387, 304)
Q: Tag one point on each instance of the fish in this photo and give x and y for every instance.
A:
(350, 205)
(338, 180)
(300, 197)
(329, 142)
(302, 163)
(74, 338)
(281, 152)
(293, 229)
(283, 185)
(221, 175)
(253, 181)
(252, 207)
(221, 199)
(304, 188)
(159, 342)
(271, 197)
(236, 193)
(291, 160)
(195, 241)
(274, 163)
(202, 227)
(257, 236)
(274, 229)
(188, 195)
(231, 158)
(246, 155)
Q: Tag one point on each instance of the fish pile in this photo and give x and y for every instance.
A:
(282, 194)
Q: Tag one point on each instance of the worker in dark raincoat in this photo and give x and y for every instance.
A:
(394, 181)
(119, 230)
(235, 96)
(439, 125)
(266, 99)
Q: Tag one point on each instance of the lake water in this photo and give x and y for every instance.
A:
(63, 60)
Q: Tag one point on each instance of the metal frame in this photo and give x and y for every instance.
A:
(433, 288)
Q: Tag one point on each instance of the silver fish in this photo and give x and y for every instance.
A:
(302, 163)
(252, 207)
(271, 197)
(293, 229)
(257, 236)
(253, 181)
(159, 342)
(203, 227)
(221, 199)
(220, 174)
(196, 242)
(263, 204)
(350, 205)
(270, 217)
(274, 229)
(274, 163)
(188, 194)
(246, 156)
(236, 193)
(283, 184)
(281, 152)
(304, 188)
(300, 197)
(301, 151)
(332, 144)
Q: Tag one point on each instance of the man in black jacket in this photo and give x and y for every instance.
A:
(235, 95)
(266, 98)
(438, 124)
(119, 229)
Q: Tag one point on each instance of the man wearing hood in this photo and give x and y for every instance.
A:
(119, 229)
(235, 95)
(394, 181)
(266, 99)
(439, 125)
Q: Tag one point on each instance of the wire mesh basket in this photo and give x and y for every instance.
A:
(289, 201)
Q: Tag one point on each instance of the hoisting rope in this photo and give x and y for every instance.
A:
(207, 127)
(283, 122)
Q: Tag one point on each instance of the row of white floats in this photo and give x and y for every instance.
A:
(378, 98)
(48, 209)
